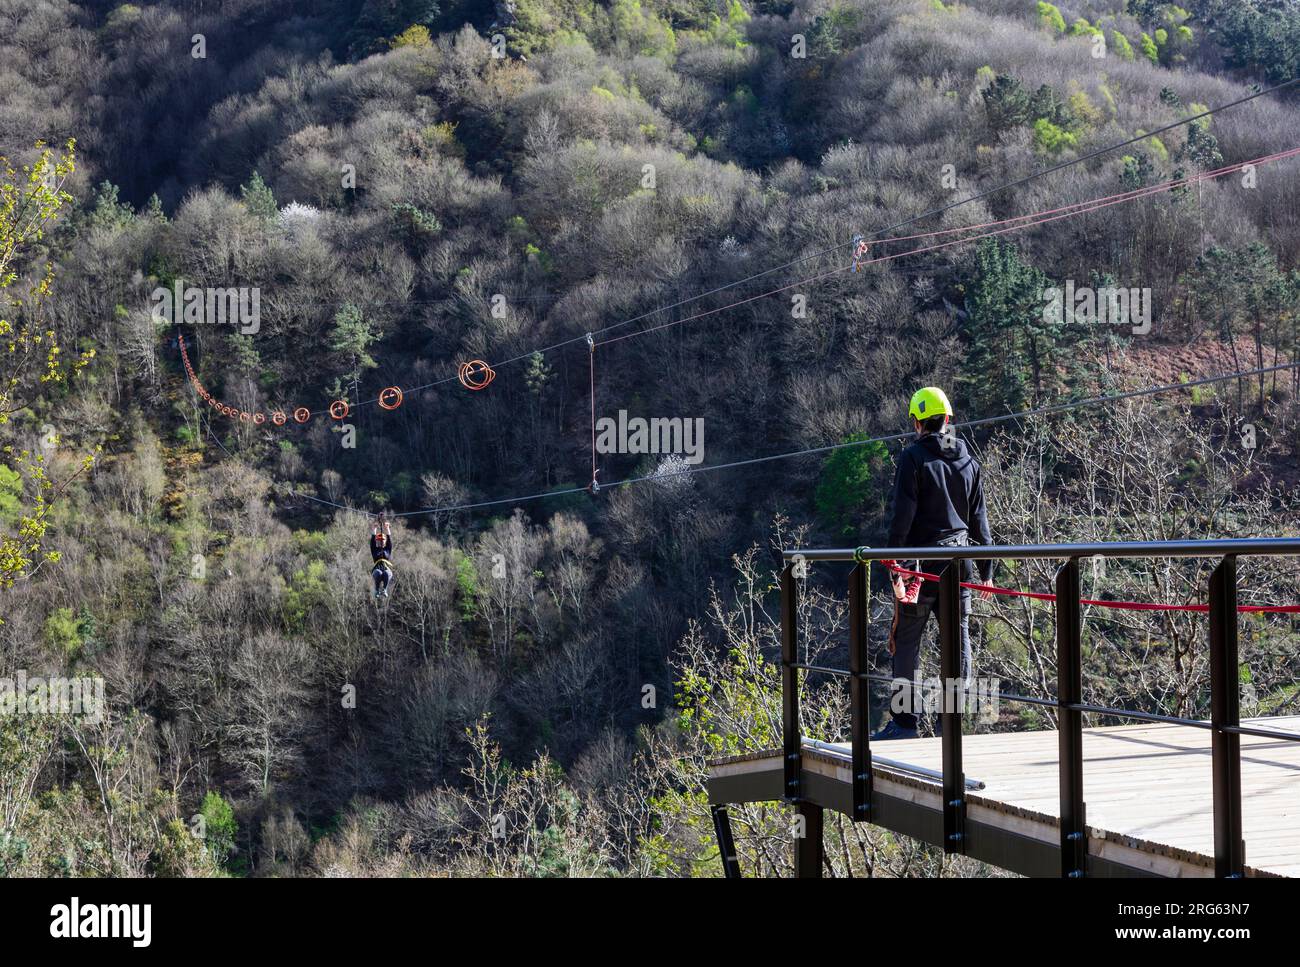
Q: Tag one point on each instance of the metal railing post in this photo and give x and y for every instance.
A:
(1224, 723)
(791, 740)
(726, 845)
(952, 691)
(1225, 710)
(860, 690)
(810, 848)
(1069, 691)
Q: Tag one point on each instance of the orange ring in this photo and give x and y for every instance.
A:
(259, 418)
(245, 416)
(301, 414)
(278, 418)
(339, 409)
(476, 374)
(390, 398)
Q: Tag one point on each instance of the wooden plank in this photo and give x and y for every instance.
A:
(1147, 785)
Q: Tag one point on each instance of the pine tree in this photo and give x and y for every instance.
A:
(106, 211)
(538, 374)
(1006, 104)
(258, 198)
(350, 337)
(153, 209)
(1047, 105)
(1201, 147)
(1015, 343)
(1137, 172)
(853, 484)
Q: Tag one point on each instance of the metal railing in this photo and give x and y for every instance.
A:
(1225, 724)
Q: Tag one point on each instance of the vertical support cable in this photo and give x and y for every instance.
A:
(860, 690)
(591, 367)
(1225, 710)
(791, 740)
(1069, 691)
(952, 695)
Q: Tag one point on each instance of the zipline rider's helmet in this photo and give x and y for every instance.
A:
(929, 401)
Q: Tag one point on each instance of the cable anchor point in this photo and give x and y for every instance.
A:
(595, 486)
(591, 343)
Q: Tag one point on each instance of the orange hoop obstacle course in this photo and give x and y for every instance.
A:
(476, 374)
(389, 399)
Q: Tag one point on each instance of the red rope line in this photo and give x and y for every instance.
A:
(1024, 221)
(1119, 605)
(1119, 196)
(477, 374)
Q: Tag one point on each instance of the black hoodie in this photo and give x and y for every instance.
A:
(938, 494)
(378, 553)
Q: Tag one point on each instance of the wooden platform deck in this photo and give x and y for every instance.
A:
(1147, 789)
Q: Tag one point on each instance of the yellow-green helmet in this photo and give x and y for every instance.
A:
(929, 401)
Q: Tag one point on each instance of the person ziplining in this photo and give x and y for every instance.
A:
(381, 556)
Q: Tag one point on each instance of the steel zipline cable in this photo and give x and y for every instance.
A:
(1007, 225)
(999, 227)
(1014, 224)
(1049, 410)
(910, 220)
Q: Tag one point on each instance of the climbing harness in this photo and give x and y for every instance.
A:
(383, 590)
(907, 588)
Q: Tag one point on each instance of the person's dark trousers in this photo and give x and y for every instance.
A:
(908, 631)
(381, 576)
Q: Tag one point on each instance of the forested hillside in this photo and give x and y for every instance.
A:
(412, 184)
